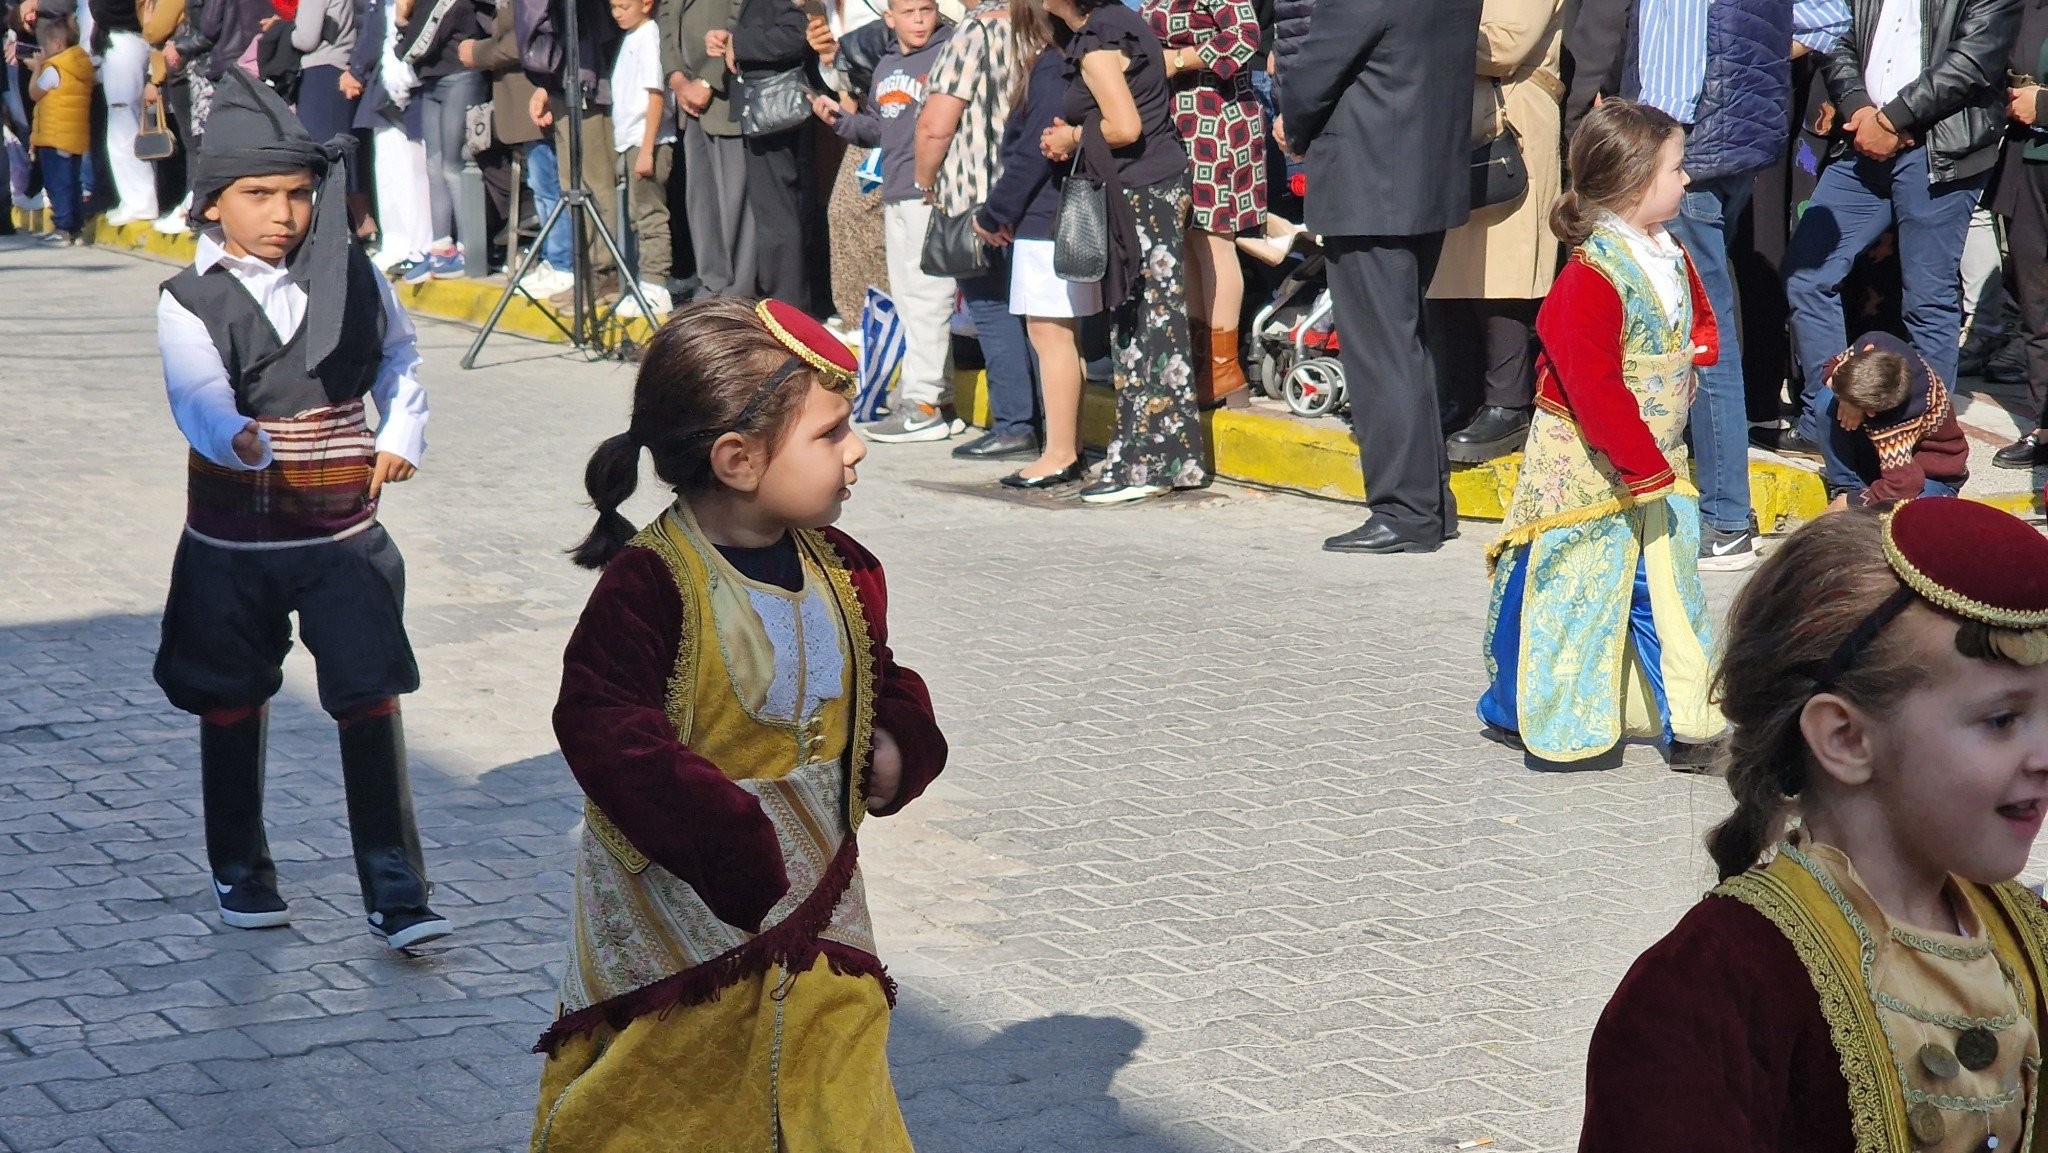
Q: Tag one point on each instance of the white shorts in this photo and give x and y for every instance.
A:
(1036, 290)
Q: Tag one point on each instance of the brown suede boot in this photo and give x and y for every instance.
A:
(1224, 382)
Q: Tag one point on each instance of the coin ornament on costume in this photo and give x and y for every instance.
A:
(1939, 1062)
(1927, 1124)
(1977, 1049)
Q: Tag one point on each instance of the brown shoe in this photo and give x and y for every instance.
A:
(1224, 382)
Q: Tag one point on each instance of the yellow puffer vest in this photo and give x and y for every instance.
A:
(63, 118)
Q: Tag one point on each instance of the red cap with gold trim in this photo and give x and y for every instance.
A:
(810, 341)
(1979, 563)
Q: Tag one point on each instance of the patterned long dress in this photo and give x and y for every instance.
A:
(1216, 111)
(1598, 628)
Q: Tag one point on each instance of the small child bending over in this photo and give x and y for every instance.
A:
(1892, 432)
(732, 712)
(1868, 975)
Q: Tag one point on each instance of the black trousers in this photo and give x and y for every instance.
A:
(779, 179)
(2026, 268)
(1377, 285)
(227, 623)
(1484, 352)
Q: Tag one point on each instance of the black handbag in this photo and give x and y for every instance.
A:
(952, 249)
(1499, 172)
(1080, 239)
(155, 141)
(774, 102)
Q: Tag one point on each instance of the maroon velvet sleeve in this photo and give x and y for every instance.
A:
(1715, 1040)
(612, 721)
(903, 705)
(1580, 327)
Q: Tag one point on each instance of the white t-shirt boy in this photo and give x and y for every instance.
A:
(636, 73)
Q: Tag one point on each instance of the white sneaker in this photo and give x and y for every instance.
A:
(121, 217)
(657, 299)
(545, 280)
(174, 224)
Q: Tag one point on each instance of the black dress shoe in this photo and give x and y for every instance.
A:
(1376, 536)
(2030, 451)
(1494, 433)
(1067, 475)
(998, 446)
(1790, 443)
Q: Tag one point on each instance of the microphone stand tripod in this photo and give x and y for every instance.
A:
(586, 327)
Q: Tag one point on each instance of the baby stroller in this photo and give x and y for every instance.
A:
(1295, 343)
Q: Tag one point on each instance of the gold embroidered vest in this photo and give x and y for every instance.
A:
(1809, 911)
(777, 689)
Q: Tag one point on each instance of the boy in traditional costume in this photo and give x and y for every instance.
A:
(1598, 628)
(1875, 984)
(271, 340)
(732, 711)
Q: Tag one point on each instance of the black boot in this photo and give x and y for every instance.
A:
(387, 842)
(244, 880)
(1494, 432)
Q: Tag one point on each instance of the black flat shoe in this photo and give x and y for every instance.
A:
(1494, 433)
(2030, 451)
(999, 446)
(1377, 537)
(1791, 443)
(1067, 475)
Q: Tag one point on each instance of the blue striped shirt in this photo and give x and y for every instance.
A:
(1671, 47)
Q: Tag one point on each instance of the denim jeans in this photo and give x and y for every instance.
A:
(1719, 425)
(546, 184)
(1856, 200)
(445, 105)
(1012, 385)
(64, 184)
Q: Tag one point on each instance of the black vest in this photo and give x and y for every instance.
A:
(270, 376)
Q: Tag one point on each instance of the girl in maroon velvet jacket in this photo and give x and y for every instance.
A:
(1868, 976)
(732, 711)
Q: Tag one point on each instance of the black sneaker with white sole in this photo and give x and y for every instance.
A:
(404, 928)
(250, 904)
(1723, 551)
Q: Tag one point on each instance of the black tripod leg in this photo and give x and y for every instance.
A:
(526, 264)
(631, 283)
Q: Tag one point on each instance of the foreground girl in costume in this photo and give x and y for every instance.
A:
(731, 709)
(1874, 984)
(1598, 629)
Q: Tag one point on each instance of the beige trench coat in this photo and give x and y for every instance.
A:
(1507, 252)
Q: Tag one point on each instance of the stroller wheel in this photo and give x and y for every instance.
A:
(1315, 387)
(1271, 368)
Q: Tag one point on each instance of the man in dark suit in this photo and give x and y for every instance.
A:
(1380, 102)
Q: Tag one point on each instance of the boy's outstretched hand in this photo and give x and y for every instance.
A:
(391, 467)
(248, 445)
(885, 772)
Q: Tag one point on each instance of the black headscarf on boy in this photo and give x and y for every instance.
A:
(252, 132)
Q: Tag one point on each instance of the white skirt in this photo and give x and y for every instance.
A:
(1036, 290)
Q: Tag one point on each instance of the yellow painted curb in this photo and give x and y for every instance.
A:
(1314, 458)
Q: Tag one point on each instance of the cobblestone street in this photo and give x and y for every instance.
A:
(1220, 863)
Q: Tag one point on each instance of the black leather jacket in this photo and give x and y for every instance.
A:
(1956, 107)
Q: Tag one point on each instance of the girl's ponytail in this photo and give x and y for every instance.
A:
(1568, 221)
(610, 478)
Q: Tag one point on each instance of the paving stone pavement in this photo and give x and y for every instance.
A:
(1221, 862)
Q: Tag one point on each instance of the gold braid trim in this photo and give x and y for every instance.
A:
(835, 375)
(1877, 1109)
(1953, 601)
(1525, 533)
(682, 705)
(862, 747)
(2026, 919)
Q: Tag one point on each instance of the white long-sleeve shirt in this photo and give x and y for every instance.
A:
(203, 400)
(1896, 51)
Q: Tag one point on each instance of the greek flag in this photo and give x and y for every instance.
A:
(881, 354)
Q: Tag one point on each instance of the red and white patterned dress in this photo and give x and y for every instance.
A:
(1215, 109)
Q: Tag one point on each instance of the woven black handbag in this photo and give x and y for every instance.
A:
(1080, 240)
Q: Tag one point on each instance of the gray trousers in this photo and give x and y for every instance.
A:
(715, 200)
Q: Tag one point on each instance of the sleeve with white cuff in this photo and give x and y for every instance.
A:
(401, 398)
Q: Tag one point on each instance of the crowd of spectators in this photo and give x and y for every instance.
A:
(1901, 132)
